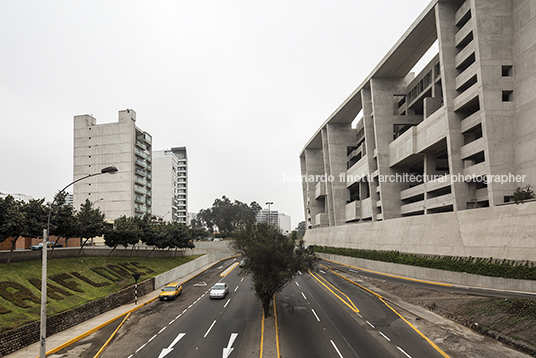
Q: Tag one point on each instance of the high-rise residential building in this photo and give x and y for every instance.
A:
(456, 136)
(284, 223)
(170, 184)
(123, 145)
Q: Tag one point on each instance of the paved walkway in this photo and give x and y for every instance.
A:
(70, 335)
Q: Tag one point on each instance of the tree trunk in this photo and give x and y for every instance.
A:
(12, 248)
(53, 246)
(112, 250)
(154, 248)
(81, 247)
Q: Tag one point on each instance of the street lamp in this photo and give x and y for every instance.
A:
(269, 203)
(43, 330)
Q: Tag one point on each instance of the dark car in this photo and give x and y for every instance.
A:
(39, 246)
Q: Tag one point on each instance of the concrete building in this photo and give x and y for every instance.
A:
(457, 136)
(170, 184)
(268, 216)
(284, 223)
(120, 144)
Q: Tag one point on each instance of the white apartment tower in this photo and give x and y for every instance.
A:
(170, 184)
(120, 144)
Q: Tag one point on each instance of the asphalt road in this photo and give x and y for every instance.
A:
(323, 315)
(194, 325)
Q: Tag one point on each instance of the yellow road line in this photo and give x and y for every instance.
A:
(229, 269)
(385, 303)
(342, 293)
(276, 330)
(352, 306)
(386, 274)
(111, 337)
(262, 333)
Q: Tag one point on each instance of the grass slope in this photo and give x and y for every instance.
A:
(22, 272)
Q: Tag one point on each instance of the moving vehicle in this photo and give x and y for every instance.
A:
(39, 246)
(219, 290)
(171, 291)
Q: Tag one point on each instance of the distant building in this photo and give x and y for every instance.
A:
(190, 217)
(120, 144)
(268, 216)
(170, 185)
(284, 223)
(69, 200)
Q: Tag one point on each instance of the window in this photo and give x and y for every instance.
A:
(507, 96)
(507, 71)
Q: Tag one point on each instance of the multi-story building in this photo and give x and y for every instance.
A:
(458, 135)
(120, 144)
(284, 223)
(268, 216)
(170, 184)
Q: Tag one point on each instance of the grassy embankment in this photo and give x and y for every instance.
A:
(19, 307)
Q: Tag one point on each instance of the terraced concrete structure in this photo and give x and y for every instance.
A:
(427, 148)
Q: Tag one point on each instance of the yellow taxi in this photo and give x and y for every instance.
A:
(170, 291)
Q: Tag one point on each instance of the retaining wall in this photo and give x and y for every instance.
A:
(503, 232)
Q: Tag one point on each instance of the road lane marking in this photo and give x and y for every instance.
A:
(162, 330)
(303, 295)
(228, 350)
(350, 304)
(229, 269)
(401, 350)
(297, 284)
(384, 336)
(153, 337)
(166, 351)
(139, 349)
(318, 319)
(226, 303)
(334, 346)
(370, 324)
(236, 288)
(392, 309)
(212, 325)
(242, 279)
(322, 272)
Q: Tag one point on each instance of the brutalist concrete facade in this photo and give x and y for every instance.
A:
(459, 135)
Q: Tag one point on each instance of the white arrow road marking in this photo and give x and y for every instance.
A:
(227, 351)
(165, 351)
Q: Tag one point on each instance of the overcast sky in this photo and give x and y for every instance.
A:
(243, 84)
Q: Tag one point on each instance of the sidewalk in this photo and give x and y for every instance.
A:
(94, 324)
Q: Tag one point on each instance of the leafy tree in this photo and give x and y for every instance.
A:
(35, 217)
(90, 223)
(125, 231)
(522, 194)
(271, 258)
(227, 216)
(301, 228)
(11, 220)
(62, 219)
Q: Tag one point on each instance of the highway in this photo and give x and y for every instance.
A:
(322, 315)
(319, 314)
(194, 325)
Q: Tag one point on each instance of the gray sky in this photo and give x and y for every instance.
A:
(242, 84)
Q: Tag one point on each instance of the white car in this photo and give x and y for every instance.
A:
(219, 290)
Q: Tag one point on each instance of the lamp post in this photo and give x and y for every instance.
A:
(269, 218)
(43, 329)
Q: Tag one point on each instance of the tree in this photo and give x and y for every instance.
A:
(301, 228)
(11, 220)
(125, 231)
(522, 194)
(271, 258)
(227, 216)
(62, 219)
(90, 223)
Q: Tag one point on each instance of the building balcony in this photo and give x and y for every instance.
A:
(353, 211)
(472, 148)
(321, 220)
(320, 190)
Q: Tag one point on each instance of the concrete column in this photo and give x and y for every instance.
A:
(446, 31)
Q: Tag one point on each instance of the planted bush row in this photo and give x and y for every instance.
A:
(473, 265)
